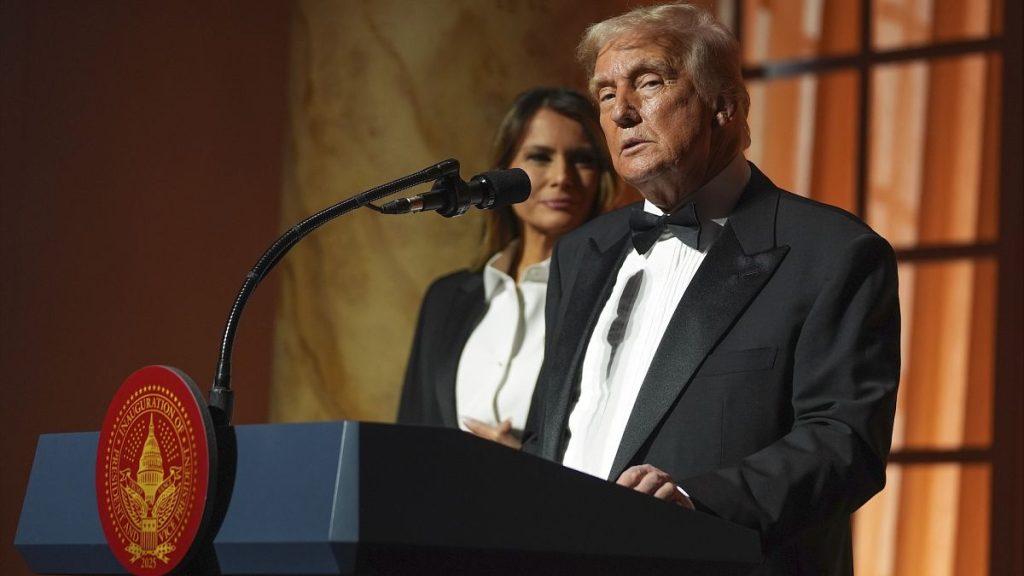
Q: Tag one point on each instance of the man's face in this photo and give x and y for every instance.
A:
(659, 132)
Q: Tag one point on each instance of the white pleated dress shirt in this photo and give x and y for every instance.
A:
(502, 357)
(626, 335)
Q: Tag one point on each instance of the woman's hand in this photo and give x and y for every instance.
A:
(502, 433)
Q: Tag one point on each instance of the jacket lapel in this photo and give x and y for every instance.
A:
(581, 304)
(738, 265)
(459, 324)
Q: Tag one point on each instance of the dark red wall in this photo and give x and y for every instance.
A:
(141, 148)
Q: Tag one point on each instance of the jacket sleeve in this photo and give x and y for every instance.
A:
(845, 374)
(415, 406)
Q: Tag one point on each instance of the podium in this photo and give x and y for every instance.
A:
(362, 498)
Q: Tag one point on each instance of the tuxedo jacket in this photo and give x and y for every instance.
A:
(771, 396)
(451, 309)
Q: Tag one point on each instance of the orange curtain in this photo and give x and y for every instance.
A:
(933, 132)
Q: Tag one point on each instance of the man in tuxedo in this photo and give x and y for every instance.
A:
(725, 345)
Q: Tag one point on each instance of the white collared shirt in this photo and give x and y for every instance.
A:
(501, 359)
(621, 349)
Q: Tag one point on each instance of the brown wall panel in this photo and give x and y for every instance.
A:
(140, 178)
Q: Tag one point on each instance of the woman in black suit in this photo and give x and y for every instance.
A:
(479, 341)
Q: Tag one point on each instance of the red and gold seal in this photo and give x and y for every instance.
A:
(154, 470)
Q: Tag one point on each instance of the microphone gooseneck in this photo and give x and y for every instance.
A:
(221, 399)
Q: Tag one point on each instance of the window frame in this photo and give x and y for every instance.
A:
(1006, 454)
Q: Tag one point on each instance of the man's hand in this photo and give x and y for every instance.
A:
(649, 480)
(502, 433)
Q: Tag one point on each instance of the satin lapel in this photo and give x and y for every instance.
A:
(724, 285)
(582, 301)
(467, 309)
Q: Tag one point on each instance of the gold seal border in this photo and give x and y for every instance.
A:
(183, 509)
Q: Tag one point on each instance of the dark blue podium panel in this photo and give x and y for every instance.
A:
(290, 512)
(295, 506)
(59, 526)
(352, 498)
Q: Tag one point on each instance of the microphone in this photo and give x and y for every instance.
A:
(450, 196)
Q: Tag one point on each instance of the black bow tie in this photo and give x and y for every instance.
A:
(647, 228)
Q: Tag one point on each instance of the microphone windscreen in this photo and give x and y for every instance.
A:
(509, 186)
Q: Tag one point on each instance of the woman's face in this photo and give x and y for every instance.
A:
(563, 171)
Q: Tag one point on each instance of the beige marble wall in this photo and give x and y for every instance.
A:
(378, 90)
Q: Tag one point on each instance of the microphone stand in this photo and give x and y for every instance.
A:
(221, 400)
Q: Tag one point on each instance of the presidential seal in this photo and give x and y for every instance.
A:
(154, 470)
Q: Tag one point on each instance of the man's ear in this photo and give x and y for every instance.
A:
(725, 111)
